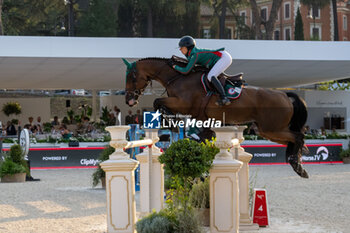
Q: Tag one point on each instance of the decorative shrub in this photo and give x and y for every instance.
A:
(11, 108)
(16, 155)
(199, 195)
(344, 153)
(186, 158)
(162, 222)
(99, 173)
(8, 167)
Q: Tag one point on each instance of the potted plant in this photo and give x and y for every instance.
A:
(14, 168)
(99, 175)
(345, 155)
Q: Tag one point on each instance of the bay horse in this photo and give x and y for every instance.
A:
(279, 117)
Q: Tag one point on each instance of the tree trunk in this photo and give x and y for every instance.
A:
(270, 24)
(1, 27)
(149, 23)
(256, 20)
(335, 19)
(222, 19)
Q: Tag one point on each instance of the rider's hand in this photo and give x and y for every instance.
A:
(173, 66)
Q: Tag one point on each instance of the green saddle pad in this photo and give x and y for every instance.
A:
(233, 92)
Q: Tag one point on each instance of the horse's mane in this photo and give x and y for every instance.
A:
(154, 58)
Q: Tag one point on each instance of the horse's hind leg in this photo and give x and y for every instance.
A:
(293, 156)
(294, 142)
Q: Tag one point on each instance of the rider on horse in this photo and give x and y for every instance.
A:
(216, 60)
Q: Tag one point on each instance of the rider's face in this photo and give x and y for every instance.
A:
(183, 50)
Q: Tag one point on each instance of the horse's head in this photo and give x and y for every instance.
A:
(135, 83)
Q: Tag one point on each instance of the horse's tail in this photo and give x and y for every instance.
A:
(300, 113)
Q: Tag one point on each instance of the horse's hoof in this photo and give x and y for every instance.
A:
(298, 168)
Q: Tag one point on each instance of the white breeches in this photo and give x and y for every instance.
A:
(221, 65)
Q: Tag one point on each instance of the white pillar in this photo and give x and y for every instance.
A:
(224, 192)
(120, 184)
(151, 180)
(245, 221)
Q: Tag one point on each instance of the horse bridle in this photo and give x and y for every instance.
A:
(137, 92)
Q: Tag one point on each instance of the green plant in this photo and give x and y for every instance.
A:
(345, 153)
(162, 222)
(199, 194)
(16, 155)
(8, 167)
(14, 121)
(47, 127)
(99, 173)
(11, 108)
(105, 115)
(186, 158)
(70, 115)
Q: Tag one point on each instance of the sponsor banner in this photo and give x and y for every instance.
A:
(262, 154)
(319, 153)
(64, 157)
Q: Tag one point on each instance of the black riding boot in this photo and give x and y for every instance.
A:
(223, 99)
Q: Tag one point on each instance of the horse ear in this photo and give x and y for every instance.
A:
(128, 65)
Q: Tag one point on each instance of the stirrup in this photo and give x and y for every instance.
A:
(223, 101)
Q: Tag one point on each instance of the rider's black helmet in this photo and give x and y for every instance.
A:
(187, 41)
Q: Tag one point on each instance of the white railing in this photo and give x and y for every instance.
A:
(229, 181)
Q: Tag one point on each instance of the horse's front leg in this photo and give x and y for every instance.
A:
(171, 105)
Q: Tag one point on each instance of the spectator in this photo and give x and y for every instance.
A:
(10, 129)
(129, 119)
(55, 121)
(39, 124)
(112, 119)
(65, 132)
(138, 119)
(117, 115)
(87, 127)
(30, 121)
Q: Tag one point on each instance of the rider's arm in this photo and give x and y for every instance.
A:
(185, 70)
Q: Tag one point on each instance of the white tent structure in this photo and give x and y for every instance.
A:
(95, 63)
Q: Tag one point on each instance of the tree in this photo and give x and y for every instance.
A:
(33, 17)
(335, 20)
(126, 18)
(299, 28)
(220, 8)
(100, 20)
(269, 25)
(1, 27)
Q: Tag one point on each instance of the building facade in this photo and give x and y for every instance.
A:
(318, 23)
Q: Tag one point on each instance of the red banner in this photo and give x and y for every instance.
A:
(260, 208)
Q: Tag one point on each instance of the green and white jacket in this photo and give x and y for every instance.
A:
(203, 57)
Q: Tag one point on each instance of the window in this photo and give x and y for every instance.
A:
(243, 15)
(315, 32)
(345, 22)
(287, 33)
(276, 35)
(228, 32)
(287, 10)
(206, 33)
(263, 13)
(315, 12)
